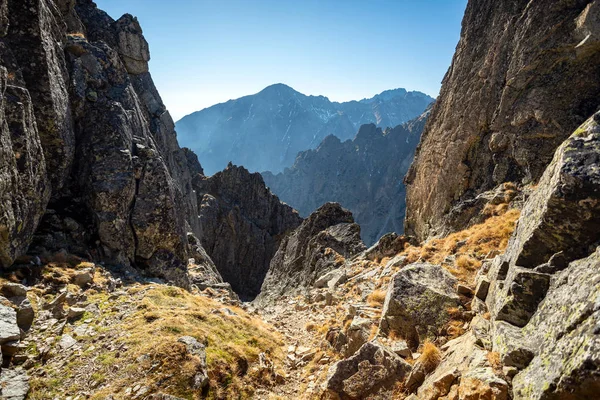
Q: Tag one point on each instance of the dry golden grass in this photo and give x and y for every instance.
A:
(493, 358)
(376, 298)
(469, 246)
(430, 357)
(77, 34)
(164, 314)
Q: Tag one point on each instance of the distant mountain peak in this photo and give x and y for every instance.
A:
(265, 131)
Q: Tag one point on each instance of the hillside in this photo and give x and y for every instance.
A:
(265, 131)
(364, 175)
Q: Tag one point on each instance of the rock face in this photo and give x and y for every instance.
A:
(543, 292)
(316, 247)
(265, 131)
(416, 305)
(242, 224)
(498, 117)
(89, 158)
(364, 175)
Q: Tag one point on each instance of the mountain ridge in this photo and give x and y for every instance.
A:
(265, 131)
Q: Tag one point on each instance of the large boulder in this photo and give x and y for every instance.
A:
(372, 369)
(563, 214)
(14, 384)
(564, 333)
(417, 302)
(319, 245)
(9, 330)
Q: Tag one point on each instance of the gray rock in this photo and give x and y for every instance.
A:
(515, 120)
(401, 348)
(132, 45)
(197, 349)
(9, 330)
(331, 279)
(563, 214)
(319, 245)
(481, 291)
(84, 277)
(357, 334)
(372, 368)
(243, 224)
(564, 335)
(418, 287)
(67, 342)
(75, 312)
(14, 384)
(13, 290)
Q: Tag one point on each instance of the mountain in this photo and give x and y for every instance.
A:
(364, 175)
(265, 131)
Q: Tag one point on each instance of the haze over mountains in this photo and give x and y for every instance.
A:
(265, 131)
(364, 175)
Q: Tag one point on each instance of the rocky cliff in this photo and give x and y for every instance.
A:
(364, 175)
(242, 225)
(265, 131)
(90, 162)
(522, 79)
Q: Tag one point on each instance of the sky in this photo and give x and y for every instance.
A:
(205, 52)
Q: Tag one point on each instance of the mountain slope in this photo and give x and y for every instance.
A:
(265, 131)
(364, 175)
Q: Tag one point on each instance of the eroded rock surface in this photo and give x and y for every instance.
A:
(243, 224)
(90, 163)
(498, 117)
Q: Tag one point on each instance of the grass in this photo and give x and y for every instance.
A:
(469, 246)
(430, 357)
(376, 298)
(159, 316)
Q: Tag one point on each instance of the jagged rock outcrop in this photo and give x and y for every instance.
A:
(243, 224)
(543, 292)
(265, 131)
(90, 160)
(364, 175)
(522, 79)
(319, 245)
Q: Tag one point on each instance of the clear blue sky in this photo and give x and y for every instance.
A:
(209, 51)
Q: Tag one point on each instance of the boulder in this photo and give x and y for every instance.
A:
(482, 383)
(9, 329)
(84, 277)
(373, 368)
(10, 289)
(416, 305)
(563, 336)
(14, 384)
(563, 214)
(357, 334)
